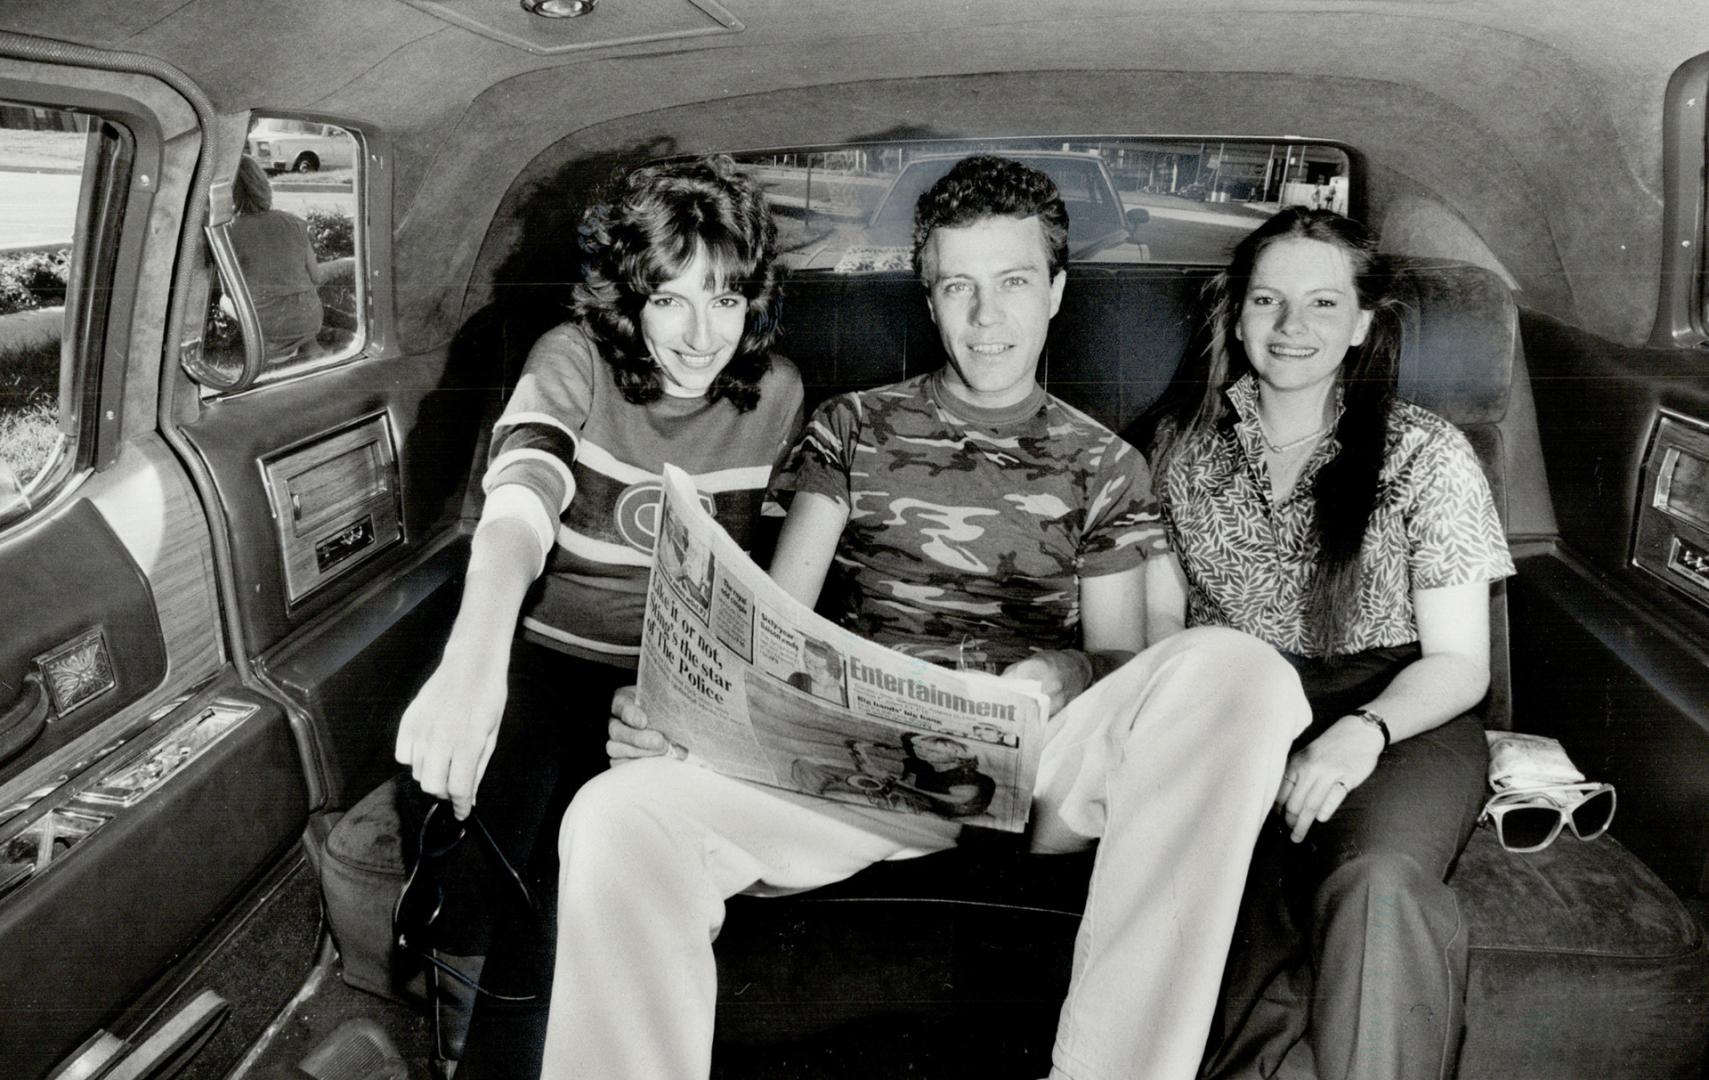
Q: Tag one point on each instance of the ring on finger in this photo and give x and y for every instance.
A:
(1342, 784)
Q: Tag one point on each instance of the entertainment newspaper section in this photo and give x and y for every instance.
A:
(743, 679)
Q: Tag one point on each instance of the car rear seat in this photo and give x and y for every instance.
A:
(1583, 962)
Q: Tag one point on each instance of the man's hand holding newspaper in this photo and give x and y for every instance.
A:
(737, 676)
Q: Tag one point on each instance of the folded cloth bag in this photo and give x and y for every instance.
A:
(1518, 761)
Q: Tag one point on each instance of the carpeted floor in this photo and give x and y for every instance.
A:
(263, 966)
(327, 1004)
(257, 970)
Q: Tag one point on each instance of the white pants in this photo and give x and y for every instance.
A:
(1171, 762)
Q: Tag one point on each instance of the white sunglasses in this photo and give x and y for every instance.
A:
(1529, 819)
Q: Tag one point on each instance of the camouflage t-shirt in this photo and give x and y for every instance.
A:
(970, 528)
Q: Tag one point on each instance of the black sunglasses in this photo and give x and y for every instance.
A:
(423, 897)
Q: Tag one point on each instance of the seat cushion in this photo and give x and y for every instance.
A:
(944, 966)
(1583, 964)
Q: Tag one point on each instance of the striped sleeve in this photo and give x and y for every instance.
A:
(534, 443)
(516, 502)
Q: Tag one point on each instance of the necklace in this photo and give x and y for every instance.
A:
(1282, 448)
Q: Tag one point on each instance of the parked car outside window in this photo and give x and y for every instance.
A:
(300, 146)
(849, 209)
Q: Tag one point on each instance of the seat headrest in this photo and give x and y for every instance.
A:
(1460, 338)
(1123, 333)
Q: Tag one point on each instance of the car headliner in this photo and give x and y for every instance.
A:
(1503, 131)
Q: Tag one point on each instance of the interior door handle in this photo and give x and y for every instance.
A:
(25, 718)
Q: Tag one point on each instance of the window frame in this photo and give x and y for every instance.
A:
(1358, 172)
(116, 185)
(366, 161)
(1682, 301)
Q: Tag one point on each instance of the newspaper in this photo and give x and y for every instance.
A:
(744, 679)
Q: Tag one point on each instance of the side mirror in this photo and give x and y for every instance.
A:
(1135, 218)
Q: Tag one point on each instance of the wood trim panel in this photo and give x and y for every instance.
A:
(151, 506)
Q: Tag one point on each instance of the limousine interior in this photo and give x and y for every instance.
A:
(227, 561)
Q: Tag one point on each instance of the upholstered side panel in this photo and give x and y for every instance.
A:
(1583, 964)
(88, 935)
(66, 576)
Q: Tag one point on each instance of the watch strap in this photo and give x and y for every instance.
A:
(1375, 721)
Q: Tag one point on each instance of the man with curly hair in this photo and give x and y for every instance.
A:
(964, 516)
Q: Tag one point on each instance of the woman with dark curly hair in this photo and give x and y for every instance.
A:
(665, 359)
(1309, 506)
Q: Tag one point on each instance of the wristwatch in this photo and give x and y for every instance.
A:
(1375, 721)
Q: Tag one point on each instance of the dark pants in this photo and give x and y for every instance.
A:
(551, 741)
(1349, 957)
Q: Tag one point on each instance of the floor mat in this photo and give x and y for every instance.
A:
(356, 1050)
(258, 970)
(322, 1005)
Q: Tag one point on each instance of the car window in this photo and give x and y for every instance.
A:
(297, 246)
(51, 238)
(850, 209)
(897, 211)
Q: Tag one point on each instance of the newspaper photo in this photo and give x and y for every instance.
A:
(745, 680)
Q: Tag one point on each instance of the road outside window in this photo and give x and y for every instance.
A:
(849, 209)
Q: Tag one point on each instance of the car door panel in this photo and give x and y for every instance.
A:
(98, 647)
(111, 910)
(95, 927)
(138, 819)
(1622, 675)
(350, 652)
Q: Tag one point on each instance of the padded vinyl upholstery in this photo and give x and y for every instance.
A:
(1460, 334)
(1123, 331)
(1584, 964)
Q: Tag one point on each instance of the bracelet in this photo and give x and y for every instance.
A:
(1375, 721)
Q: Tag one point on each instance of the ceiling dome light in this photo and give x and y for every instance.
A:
(558, 9)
